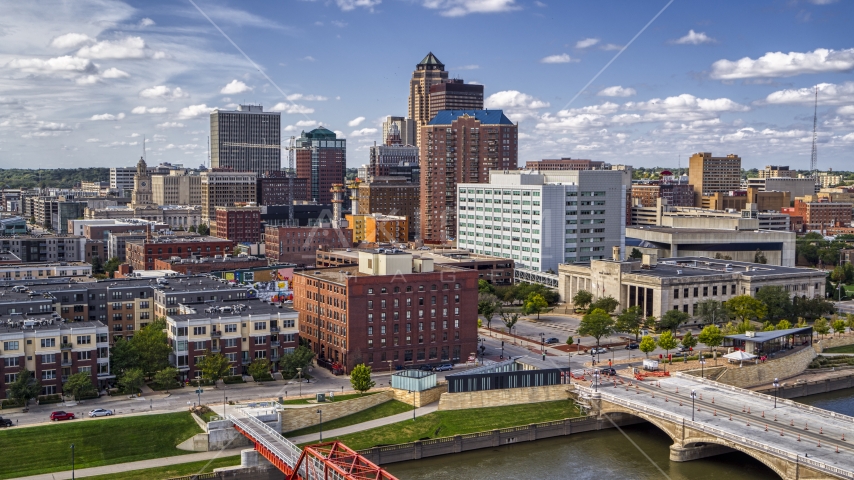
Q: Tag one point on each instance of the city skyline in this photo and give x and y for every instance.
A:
(82, 83)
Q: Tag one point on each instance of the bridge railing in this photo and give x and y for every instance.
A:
(721, 433)
(282, 447)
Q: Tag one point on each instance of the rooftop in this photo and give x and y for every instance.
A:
(712, 231)
(443, 256)
(431, 59)
(45, 322)
(245, 308)
(706, 266)
(762, 337)
(485, 117)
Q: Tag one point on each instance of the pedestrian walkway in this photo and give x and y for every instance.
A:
(400, 417)
(140, 465)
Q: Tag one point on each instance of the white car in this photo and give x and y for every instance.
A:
(100, 412)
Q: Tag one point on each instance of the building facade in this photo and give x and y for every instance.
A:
(273, 189)
(676, 194)
(179, 187)
(239, 224)
(564, 164)
(454, 94)
(45, 248)
(226, 189)
(246, 140)
(405, 129)
(430, 71)
(392, 196)
(378, 228)
(777, 171)
(820, 214)
(142, 253)
(298, 245)
(322, 158)
(384, 157)
(710, 174)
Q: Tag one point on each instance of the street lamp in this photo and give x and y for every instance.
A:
(413, 403)
(543, 345)
(693, 396)
(72, 461)
(299, 373)
(596, 381)
(320, 412)
(776, 386)
(702, 364)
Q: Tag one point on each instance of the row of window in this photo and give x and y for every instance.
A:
(433, 353)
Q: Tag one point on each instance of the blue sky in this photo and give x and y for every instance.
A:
(82, 81)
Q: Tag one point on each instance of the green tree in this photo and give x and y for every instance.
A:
(582, 299)
(123, 356)
(165, 379)
(784, 325)
(535, 303)
(485, 287)
(259, 369)
(203, 229)
(132, 381)
(746, 308)
(214, 366)
(112, 265)
(97, 265)
(636, 254)
(672, 319)
(192, 229)
(510, 320)
(759, 257)
(150, 344)
(487, 305)
(667, 341)
(647, 345)
(849, 321)
(821, 326)
(630, 321)
(360, 378)
(597, 324)
(290, 363)
(79, 386)
(711, 311)
(24, 388)
(730, 329)
(838, 325)
(609, 304)
(689, 341)
(802, 322)
(777, 302)
(712, 337)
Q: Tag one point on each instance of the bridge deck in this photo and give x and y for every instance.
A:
(798, 432)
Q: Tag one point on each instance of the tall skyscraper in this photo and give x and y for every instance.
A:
(322, 158)
(246, 140)
(405, 129)
(710, 174)
(455, 94)
(460, 146)
(428, 72)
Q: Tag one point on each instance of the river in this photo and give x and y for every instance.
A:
(638, 452)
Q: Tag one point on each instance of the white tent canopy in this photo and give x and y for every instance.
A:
(739, 355)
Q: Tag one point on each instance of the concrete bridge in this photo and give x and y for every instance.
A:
(796, 441)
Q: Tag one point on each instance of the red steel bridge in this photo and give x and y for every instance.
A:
(325, 461)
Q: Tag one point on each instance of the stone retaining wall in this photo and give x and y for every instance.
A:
(835, 341)
(498, 398)
(421, 398)
(763, 373)
(295, 417)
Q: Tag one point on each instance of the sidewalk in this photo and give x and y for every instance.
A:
(400, 417)
(142, 464)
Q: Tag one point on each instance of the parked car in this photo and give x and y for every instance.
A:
(100, 412)
(60, 415)
(607, 371)
(594, 350)
(444, 367)
(5, 422)
(426, 367)
(552, 340)
(632, 346)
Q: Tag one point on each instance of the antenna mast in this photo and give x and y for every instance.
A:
(143, 147)
(814, 158)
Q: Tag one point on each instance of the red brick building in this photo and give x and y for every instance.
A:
(390, 309)
(321, 158)
(239, 224)
(141, 254)
(298, 245)
(823, 213)
(186, 266)
(273, 189)
(676, 194)
(565, 164)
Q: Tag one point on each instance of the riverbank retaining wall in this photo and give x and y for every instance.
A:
(811, 388)
(295, 417)
(503, 397)
(835, 341)
(758, 374)
(420, 399)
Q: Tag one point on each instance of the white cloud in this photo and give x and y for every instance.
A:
(309, 98)
(87, 80)
(348, 5)
(114, 72)
(162, 91)
(562, 58)
(611, 46)
(70, 40)
(108, 116)
(694, 38)
(846, 110)
(128, 47)
(356, 121)
(309, 58)
(517, 105)
(363, 132)
(65, 63)
(617, 91)
(235, 86)
(92, 140)
(291, 108)
(459, 8)
(146, 22)
(828, 94)
(193, 111)
(168, 125)
(301, 124)
(587, 42)
(338, 23)
(779, 64)
(822, 2)
(143, 110)
(467, 67)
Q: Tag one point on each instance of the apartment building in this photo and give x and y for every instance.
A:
(777, 171)
(321, 157)
(38, 271)
(239, 224)
(378, 228)
(195, 266)
(179, 187)
(142, 253)
(298, 245)
(823, 213)
(384, 157)
(392, 195)
(710, 174)
(676, 194)
(226, 189)
(45, 248)
(273, 188)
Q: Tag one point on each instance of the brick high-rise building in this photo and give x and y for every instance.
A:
(676, 194)
(273, 189)
(239, 224)
(460, 146)
(247, 139)
(391, 196)
(298, 245)
(322, 158)
(823, 213)
(454, 94)
(141, 253)
(710, 174)
(391, 307)
(430, 71)
(225, 189)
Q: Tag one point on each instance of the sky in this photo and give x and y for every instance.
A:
(649, 83)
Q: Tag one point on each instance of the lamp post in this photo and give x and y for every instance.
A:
(596, 381)
(776, 386)
(543, 345)
(702, 364)
(299, 374)
(320, 412)
(72, 461)
(413, 403)
(693, 396)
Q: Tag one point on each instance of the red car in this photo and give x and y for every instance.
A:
(60, 415)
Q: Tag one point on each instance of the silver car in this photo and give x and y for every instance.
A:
(100, 412)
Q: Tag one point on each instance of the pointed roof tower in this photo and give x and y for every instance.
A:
(430, 62)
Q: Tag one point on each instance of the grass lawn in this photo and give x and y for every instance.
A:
(458, 422)
(337, 398)
(842, 349)
(99, 442)
(392, 407)
(171, 471)
(207, 416)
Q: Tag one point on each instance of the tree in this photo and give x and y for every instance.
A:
(821, 326)
(485, 287)
(535, 303)
(672, 319)
(667, 341)
(192, 229)
(759, 257)
(802, 322)
(596, 324)
(777, 302)
(712, 337)
(838, 325)
(689, 341)
(636, 254)
(609, 304)
(203, 229)
(711, 311)
(112, 265)
(510, 320)
(647, 345)
(784, 325)
(849, 321)
(360, 378)
(582, 299)
(123, 356)
(79, 385)
(132, 380)
(97, 265)
(630, 321)
(487, 305)
(150, 344)
(24, 388)
(165, 379)
(746, 308)
(214, 366)
(259, 369)
(290, 363)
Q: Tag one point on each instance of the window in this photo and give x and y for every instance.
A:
(48, 374)
(723, 289)
(230, 342)
(12, 345)
(260, 326)
(675, 293)
(49, 358)
(705, 291)
(715, 290)
(200, 330)
(260, 340)
(230, 327)
(696, 292)
(87, 355)
(11, 362)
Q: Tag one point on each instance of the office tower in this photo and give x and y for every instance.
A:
(179, 187)
(454, 94)
(710, 174)
(460, 146)
(405, 129)
(322, 158)
(430, 71)
(273, 189)
(392, 195)
(225, 189)
(777, 171)
(384, 157)
(247, 139)
(542, 219)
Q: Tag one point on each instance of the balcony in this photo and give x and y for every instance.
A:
(65, 346)
(274, 343)
(215, 349)
(274, 329)
(66, 363)
(216, 334)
